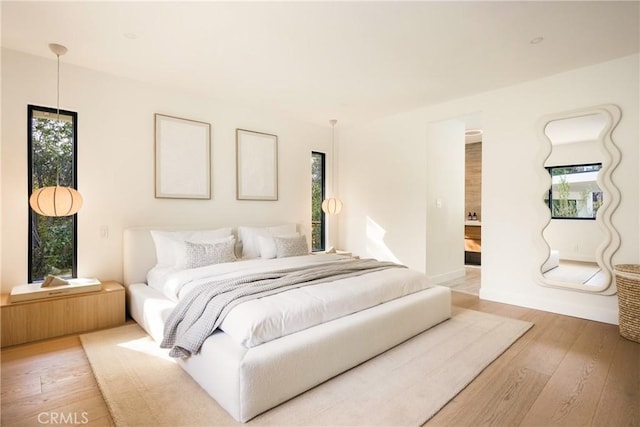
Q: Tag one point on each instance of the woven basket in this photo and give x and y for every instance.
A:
(628, 283)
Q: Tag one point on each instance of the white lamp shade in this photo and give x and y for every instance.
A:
(332, 206)
(55, 201)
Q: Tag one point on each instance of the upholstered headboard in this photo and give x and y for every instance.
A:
(139, 255)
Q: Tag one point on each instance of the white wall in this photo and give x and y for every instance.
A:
(383, 187)
(391, 181)
(1, 178)
(116, 155)
(445, 200)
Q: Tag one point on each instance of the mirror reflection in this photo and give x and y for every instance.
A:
(574, 198)
(574, 191)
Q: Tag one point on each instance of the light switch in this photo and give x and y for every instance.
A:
(438, 203)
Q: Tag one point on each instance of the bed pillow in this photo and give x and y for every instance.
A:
(165, 242)
(157, 277)
(201, 254)
(184, 251)
(249, 237)
(267, 245)
(291, 246)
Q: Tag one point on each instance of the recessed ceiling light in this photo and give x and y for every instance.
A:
(473, 132)
(536, 40)
(130, 36)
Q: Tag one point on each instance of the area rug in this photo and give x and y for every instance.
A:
(405, 386)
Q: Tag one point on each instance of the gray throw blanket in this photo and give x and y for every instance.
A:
(202, 310)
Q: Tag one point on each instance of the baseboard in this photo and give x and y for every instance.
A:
(599, 314)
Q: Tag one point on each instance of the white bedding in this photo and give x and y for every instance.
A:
(261, 320)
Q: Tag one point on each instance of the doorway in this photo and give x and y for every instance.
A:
(473, 209)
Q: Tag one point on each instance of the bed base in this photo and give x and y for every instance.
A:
(247, 382)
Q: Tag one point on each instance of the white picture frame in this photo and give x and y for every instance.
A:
(182, 158)
(256, 165)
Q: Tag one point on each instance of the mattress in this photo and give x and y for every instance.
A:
(261, 320)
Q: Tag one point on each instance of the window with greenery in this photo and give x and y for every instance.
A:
(317, 196)
(52, 137)
(574, 192)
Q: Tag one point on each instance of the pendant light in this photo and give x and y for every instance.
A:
(332, 205)
(56, 201)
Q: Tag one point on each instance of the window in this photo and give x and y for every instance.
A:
(52, 156)
(317, 196)
(574, 192)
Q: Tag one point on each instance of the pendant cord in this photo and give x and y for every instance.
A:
(333, 162)
(58, 90)
(334, 177)
(58, 122)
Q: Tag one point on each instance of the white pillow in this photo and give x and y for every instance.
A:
(157, 276)
(249, 237)
(165, 240)
(267, 245)
(291, 246)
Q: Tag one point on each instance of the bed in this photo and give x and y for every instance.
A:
(248, 375)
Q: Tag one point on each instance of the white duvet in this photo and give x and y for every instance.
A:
(264, 319)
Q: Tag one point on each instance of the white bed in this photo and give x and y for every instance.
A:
(248, 379)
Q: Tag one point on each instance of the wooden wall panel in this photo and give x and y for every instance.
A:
(473, 179)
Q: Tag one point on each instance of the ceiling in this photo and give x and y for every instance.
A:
(352, 61)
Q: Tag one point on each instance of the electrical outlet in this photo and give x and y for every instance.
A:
(104, 232)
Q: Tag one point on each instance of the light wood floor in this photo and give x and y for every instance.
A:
(565, 371)
(469, 283)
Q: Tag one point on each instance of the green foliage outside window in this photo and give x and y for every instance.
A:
(564, 207)
(317, 194)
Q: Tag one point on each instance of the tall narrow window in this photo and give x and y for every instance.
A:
(52, 161)
(317, 196)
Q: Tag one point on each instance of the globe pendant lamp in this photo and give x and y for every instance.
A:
(332, 205)
(56, 201)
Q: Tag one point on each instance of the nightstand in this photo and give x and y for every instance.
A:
(27, 321)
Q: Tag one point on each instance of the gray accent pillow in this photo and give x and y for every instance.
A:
(201, 254)
(291, 246)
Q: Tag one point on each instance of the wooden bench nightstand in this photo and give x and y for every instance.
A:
(27, 321)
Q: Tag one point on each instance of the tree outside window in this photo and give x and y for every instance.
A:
(317, 196)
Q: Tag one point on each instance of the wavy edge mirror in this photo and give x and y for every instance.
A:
(611, 200)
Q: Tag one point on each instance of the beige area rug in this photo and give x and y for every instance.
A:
(404, 386)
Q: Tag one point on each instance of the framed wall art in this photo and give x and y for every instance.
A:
(183, 158)
(256, 165)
